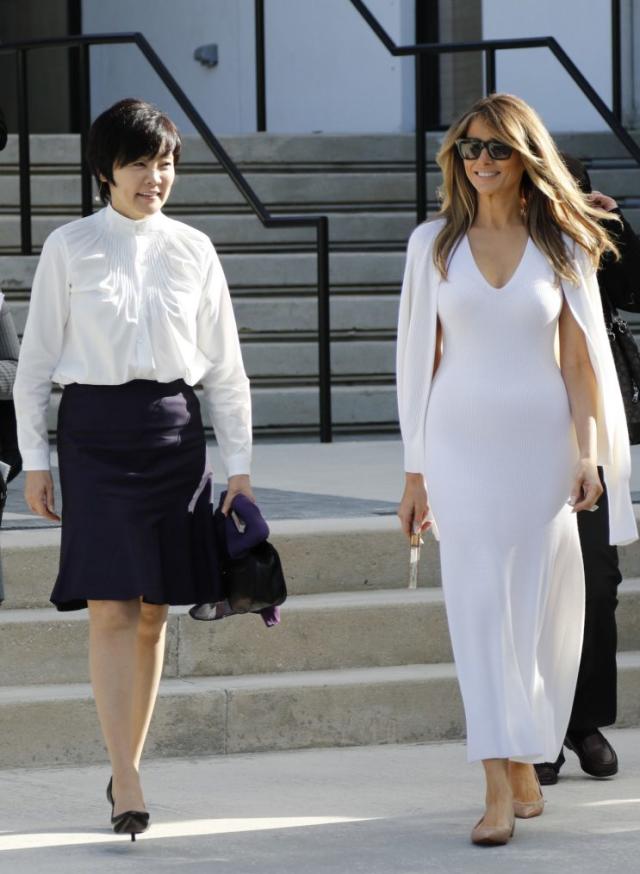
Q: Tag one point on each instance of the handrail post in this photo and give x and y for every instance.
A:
(616, 61)
(324, 331)
(261, 88)
(489, 71)
(24, 152)
(85, 123)
(421, 144)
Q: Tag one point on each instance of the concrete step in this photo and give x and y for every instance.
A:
(318, 632)
(51, 725)
(290, 408)
(272, 272)
(317, 150)
(366, 553)
(311, 150)
(231, 232)
(350, 314)
(216, 193)
(295, 409)
(292, 359)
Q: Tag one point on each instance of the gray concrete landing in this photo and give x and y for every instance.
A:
(379, 810)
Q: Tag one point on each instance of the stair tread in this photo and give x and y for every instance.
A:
(371, 598)
(257, 682)
(629, 660)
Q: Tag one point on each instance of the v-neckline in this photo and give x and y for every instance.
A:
(484, 278)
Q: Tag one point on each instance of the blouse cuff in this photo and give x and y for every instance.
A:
(35, 459)
(238, 464)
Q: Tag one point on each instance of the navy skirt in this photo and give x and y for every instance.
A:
(136, 501)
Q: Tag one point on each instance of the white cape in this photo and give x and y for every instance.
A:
(415, 356)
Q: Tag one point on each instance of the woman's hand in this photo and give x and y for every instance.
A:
(602, 201)
(38, 493)
(587, 487)
(414, 508)
(237, 485)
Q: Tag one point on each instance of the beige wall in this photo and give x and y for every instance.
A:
(461, 75)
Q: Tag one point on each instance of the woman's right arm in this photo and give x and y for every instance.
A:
(413, 389)
(39, 355)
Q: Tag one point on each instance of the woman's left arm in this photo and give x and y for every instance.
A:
(582, 389)
(225, 385)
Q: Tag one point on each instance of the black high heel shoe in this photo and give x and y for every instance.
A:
(131, 822)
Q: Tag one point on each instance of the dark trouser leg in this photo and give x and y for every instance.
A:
(595, 700)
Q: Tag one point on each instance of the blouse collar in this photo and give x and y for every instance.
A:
(118, 222)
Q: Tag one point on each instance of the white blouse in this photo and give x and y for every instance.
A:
(115, 299)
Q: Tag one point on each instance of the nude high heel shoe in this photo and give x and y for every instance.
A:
(528, 809)
(492, 835)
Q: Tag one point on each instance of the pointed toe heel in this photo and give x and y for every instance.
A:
(131, 822)
(492, 836)
(529, 809)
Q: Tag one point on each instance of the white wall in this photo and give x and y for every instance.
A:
(326, 70)
(224, 95)
(582, 27)
(339, 77)
(631, 63)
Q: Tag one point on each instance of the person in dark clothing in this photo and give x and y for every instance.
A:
(595, 702)
(10, 460)
(3, 132)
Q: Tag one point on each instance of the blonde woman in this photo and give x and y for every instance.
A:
(508, 402)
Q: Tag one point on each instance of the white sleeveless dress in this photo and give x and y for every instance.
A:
(500, 457)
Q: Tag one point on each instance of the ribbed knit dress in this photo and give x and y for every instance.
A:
(500, 456)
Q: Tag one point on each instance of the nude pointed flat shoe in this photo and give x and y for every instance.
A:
(529, 809)
(492, 835)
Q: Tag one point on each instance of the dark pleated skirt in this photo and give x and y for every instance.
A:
(132, 458)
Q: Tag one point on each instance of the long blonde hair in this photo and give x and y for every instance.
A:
(552, 203)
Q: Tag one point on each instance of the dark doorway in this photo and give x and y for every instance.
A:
(428, 30)
(52, 73)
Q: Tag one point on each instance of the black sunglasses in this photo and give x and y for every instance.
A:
(470, 148)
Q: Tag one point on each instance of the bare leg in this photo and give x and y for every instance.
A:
(126, 655)
(523, 781)
(499, 797)
(150, 646)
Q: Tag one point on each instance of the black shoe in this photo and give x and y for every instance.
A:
(131, 822)
(597, 757)
(548, 771)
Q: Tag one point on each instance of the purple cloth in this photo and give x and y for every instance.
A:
(256, 529)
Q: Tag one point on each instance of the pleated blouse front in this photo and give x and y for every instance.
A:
(114, 300)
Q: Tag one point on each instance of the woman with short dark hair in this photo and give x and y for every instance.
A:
(129, 310)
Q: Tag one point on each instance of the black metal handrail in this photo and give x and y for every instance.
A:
(489, 47)
(319, 222)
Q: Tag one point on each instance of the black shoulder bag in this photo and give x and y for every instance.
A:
(626, 356)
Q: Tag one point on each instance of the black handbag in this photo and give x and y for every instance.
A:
(626, 356)
(254, 581)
